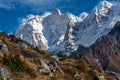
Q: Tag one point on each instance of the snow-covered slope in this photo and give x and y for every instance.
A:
(55, 26)
(31, 32)
(94, 25)
(99, 22)
(48, 31)
(89, 30)
(63, 33)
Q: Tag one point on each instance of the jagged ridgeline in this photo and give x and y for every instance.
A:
(62, 33)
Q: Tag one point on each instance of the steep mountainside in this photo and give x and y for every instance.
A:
(105, 51)
(89, 30)
(32, 32)
(48, 31)
(63, 33)
(21, 61)
(93, 26)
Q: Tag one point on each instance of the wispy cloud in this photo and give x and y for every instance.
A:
(35, 5)
(6, 5)
(23, 21)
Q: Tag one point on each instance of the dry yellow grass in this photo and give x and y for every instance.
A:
(69, 66)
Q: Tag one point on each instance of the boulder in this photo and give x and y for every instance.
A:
(101, 78)
(53, 68)
(53, 64)
(45, 71)
(3, 46)
(24, 45)
(4, 72)
(55, 58)
(77, 76)
(44, 65)
(45, 68)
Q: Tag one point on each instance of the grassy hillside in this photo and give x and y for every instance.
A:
(24, 62)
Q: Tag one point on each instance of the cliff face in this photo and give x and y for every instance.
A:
(105, 51)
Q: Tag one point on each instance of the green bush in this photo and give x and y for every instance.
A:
(1, 77)
(14, 62)
(36, 49)
(40, 51)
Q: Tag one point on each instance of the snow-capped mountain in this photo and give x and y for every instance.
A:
(93, 26)
(32, 32)
(55, 26)
(89, 30)
(45, 32)
(63, 33)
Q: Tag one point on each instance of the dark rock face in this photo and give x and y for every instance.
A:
(3, 46)
(108, 52)
(81, 48)
(105, 52)
(116, 29)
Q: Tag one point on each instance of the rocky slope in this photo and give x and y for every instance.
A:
(105, 52)
(20, 60)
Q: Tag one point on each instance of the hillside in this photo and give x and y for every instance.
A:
(21, 61)
(105, 52)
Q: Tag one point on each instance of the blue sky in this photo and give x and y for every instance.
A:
(12, 11)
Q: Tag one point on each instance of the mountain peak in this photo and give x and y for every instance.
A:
(103, 5)
(83, 15)
(57, 11)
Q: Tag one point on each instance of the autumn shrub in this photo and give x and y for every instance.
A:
(46, 55)
(83, 66)
(40, 51)
(14, 62)
(36, 49)
(1, 77)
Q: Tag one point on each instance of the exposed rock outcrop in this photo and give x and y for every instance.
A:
(3, 46)
(4, 73)
(106, 51)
